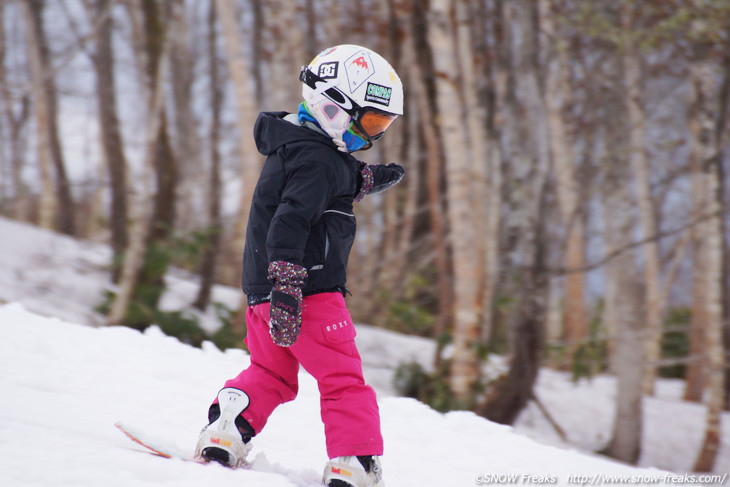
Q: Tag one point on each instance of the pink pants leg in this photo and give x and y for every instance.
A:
(326, 349)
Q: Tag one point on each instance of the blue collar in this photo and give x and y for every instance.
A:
(353, 142)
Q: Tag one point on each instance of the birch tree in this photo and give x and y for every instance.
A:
(707, 137)
(246, 111)
(422, 84)
(16, 111)
(188, 154)
(215, 223)
(460, 190)
(159, 20)
(623, 305)
(469, 35)
(640, 166)
(111, 138)
(557, 97)
(148, 210)
(57, 207)
(512, 391)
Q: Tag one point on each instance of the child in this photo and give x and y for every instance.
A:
(300, 230)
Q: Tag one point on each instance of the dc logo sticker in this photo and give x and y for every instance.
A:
(328, 70)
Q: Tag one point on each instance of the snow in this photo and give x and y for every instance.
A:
(55, 275)
(65, 383)
(673, 428)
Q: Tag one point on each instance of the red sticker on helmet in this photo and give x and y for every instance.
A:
(359, 67)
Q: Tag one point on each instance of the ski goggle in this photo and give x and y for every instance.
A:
(370, 123)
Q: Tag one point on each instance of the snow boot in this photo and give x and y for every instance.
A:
(227, 439)
(359, 471)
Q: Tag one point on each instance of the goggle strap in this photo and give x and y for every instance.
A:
(321, 86)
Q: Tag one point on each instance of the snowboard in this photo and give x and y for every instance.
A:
(165, 449)
(232, 401)
(155, 445)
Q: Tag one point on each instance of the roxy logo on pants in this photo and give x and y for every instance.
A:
(336, 326)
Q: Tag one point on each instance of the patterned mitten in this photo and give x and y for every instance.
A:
(376, 178)
(286, 301)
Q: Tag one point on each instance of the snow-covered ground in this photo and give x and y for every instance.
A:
(65, 383)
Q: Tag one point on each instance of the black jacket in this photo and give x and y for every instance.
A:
(302, 207)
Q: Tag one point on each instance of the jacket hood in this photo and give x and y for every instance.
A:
(271, 131)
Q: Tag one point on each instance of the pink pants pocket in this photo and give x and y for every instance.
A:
(340, 334)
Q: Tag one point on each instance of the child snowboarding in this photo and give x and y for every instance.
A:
(300, 231)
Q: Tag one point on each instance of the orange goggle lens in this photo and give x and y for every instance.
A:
(375, 123)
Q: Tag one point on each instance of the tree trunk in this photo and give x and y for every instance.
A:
(623, 305)
(720, 134)
(557, 96)
(625, 444)
(695, 374)
(392, 276)
(708, 174)
(159, 22)
(215, 224)
(703, 144)
(246, 112)
(640, 166)
(48, 205)
(148, 229)
(497, 112)
(514, 390)
(111, 139)
(423, 89)
(191, 195)
(465, 362)
(57, 209)
(624, 309)
(471, 55)
(15, 121)
(714, 346)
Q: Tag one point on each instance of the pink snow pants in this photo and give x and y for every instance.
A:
(326, 349)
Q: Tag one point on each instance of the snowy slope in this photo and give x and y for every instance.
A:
(673, 428)
(56, 276)
(64, 385)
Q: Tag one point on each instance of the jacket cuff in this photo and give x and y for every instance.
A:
(368, 181)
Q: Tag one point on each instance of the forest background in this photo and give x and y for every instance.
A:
(565, 203)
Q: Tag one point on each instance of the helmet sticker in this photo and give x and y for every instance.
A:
(328, 70)
(359, 67)
(327, 51)
(378, 94)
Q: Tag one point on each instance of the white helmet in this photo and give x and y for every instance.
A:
(351, 87)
